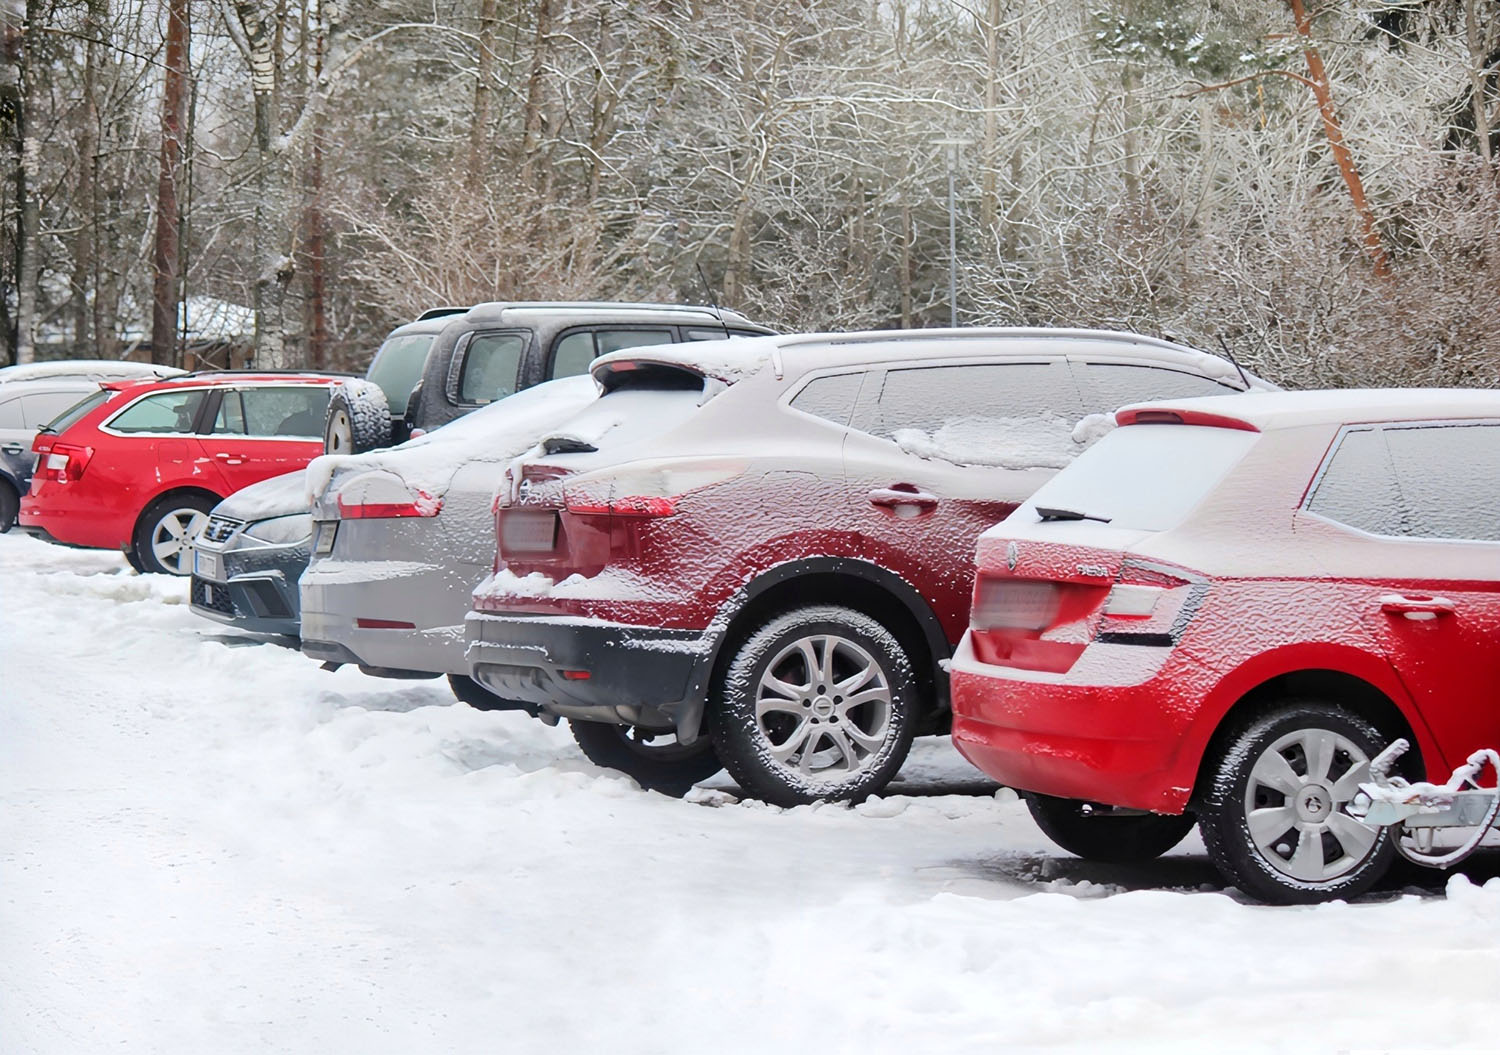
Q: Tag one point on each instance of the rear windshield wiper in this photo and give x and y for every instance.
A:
(1052, 513)
(567, 445)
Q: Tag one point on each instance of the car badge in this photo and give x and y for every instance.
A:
(524, 490)
(1012, 556)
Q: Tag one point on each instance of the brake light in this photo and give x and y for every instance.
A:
(645, 492)
(65, 462)
(423, 505)
(630, 506)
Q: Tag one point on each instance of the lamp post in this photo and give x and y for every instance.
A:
(952, 146)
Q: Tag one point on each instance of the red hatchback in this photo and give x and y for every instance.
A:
(1224, 610)
(137, 466)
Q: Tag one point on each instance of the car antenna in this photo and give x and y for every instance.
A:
(1230, 356)
(711, 302)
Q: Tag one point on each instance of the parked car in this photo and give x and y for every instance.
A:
(402, 536)
(534, 341)
(424, 377)
(769, 541)
(86, 369)
(249, 555)
(138, 466)
(1224, 610)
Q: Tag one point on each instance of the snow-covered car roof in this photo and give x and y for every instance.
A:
(1345, 406)
(95, 369)
(738, 358)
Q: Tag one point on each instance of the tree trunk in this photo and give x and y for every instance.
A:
(87, 340)
(1477, 79)
(1331, 127)
(28, 165)
(988, 158)
(164, 291)
(317, 310)
(531, 123)
(479, 132)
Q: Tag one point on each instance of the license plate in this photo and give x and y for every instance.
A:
(208, 566)
(324, 532)
(528, 531)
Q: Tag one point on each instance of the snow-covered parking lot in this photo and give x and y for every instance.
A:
(211, 845)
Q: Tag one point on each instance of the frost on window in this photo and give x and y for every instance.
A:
(1113, 385)
(1359, 486)
(830, 398)
(1014, 415)
(1449, 478)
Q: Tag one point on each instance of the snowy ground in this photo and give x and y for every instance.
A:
(213, 846)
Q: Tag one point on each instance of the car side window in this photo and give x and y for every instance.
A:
(695, 334)
(171, 411)
(613, 340)
(492, 365)
(1013, 415)
(1358, 485)
(38, 408)
(571, 355)
(1449, 479)
(296, 411)
(829, 398)
(1109, 386)
(231, 416)
(10, 414)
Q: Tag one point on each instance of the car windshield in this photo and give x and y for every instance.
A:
(77, 411)
(398, 367)
(1147, 477)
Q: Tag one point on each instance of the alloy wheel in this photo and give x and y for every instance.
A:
(172, 539)
(824, 707)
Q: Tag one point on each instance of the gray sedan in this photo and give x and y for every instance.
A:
(401, 537)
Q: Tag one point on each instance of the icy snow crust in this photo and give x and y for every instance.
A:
(213, 848)
(277, 497)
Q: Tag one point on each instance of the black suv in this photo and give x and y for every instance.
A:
(454, 360)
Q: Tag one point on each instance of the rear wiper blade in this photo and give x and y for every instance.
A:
(1053, 513)
(567, 445)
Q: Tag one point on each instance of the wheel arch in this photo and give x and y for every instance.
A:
(868, 588)
(1385, 707)
(171, 491)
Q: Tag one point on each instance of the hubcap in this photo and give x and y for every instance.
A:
(824, 707)
(1294, 805)
(172, 539)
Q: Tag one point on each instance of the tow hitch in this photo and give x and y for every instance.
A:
(1417, 810)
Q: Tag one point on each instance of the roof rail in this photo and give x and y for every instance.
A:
(438, 313)
(987, 333)
(261, 370)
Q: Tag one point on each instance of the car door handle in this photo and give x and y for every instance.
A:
(1416, 608)
(891, 497)
(10, 448)
(230, 459)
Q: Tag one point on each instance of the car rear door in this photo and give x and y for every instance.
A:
(1422, 564)
(265, 430)
(938, 452)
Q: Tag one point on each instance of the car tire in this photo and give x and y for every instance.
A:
(480, 698)
(133, 560)
(1094, 835)
(164, 534)
(1304, 761)
(666, 766)
(10, 506)
(359, 419)
(783, 727)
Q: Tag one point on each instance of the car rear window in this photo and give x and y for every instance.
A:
(398, 367)
(651, 403)
(1145, 477)
(74, 413)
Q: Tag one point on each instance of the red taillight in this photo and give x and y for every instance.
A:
(383, 624)
(629, 506)
(65, 462)
(424, 505)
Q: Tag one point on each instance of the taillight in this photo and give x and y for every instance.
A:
(65, 462)
(645, 492)
(383, 495)
(1146, 606)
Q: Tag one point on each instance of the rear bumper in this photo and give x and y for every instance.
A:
(72, 523)
(627, 668)
(1113, 739)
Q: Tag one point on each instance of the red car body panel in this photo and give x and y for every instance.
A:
(1130, 717)
(126, 473)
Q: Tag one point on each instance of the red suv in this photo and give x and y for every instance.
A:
(1224, 610)
(769, 540)
(137, 466)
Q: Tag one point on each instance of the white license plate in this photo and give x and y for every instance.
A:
(324, 532)
(208, 566)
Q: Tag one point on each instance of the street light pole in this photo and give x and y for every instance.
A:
(952, 146)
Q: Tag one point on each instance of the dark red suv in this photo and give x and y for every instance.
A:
(138, 465)
(770, 540)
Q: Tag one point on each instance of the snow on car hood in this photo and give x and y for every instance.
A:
(279, 496)
(495, 433)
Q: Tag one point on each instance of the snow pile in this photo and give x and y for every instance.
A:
(496, 433)
(213, 846)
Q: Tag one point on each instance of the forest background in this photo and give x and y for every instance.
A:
(1312, 182)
